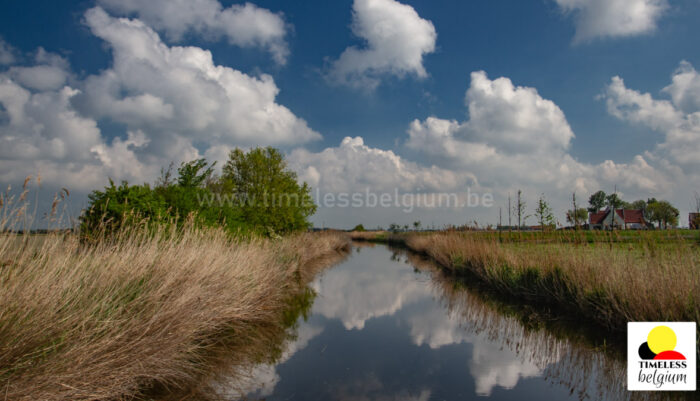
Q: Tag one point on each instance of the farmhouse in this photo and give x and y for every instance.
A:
(693, 220)
(622, 218)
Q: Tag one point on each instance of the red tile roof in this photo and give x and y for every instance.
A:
(598, 217)
(629, 216)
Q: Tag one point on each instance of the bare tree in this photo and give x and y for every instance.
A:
(510, 224)
(696, 207)
(519, 209)
(166, 176)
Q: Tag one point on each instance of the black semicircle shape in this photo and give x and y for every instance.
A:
(645, 352)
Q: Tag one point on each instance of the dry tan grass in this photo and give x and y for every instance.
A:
(367, 235)
(561, 357)
(606, 283)
(142, 311)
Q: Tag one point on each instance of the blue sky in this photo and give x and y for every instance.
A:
(568, 51)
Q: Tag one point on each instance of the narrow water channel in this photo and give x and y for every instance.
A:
(386, 325)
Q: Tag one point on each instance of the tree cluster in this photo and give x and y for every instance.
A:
(256, 192)
(659, 211)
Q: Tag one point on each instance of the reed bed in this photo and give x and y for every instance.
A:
(143, 311)
(607, 283)
(562, 358)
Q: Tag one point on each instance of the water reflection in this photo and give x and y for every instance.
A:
(561, 359)
(389, 326)
(362, 292)
(263, 378)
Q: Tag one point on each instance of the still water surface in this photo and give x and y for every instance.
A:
(386, 325)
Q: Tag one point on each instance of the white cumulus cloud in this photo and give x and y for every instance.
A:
(180, 90)
(516, 119)
(396, 39)
(678, 119)
(685, 88)
(633, 106)
(174, 102)
(354, 166)
(245, 25)
(49, 72)
(613, 18)
(7, 53)
(513, 137)
(41, 133)
(355, 296)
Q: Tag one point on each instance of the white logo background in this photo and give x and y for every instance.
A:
(686, 344)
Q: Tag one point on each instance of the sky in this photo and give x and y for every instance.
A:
(407, 99)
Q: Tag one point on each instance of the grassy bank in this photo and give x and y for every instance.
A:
(561, 351)
(142, 313)
(605, 282)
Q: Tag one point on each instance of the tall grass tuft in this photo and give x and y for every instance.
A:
(143, 310)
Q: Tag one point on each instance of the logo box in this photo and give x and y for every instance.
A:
(661, 356)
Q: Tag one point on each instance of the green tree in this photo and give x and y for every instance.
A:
(359, 228)
(172, 201)
(614, 202)
(638, 205)
(544, 213)
(394, 228)
(577, 217)
(191, 196)
(596, 202)
(416, 225)
(183, 194)
(269, 196)
(647, 211)
(256, 193)
(118, 206)
(195, 173)
(663, 213)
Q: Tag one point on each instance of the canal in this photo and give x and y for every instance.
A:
(388, 325)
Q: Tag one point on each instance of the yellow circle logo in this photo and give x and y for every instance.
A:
(661, 339)
(660, 345)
